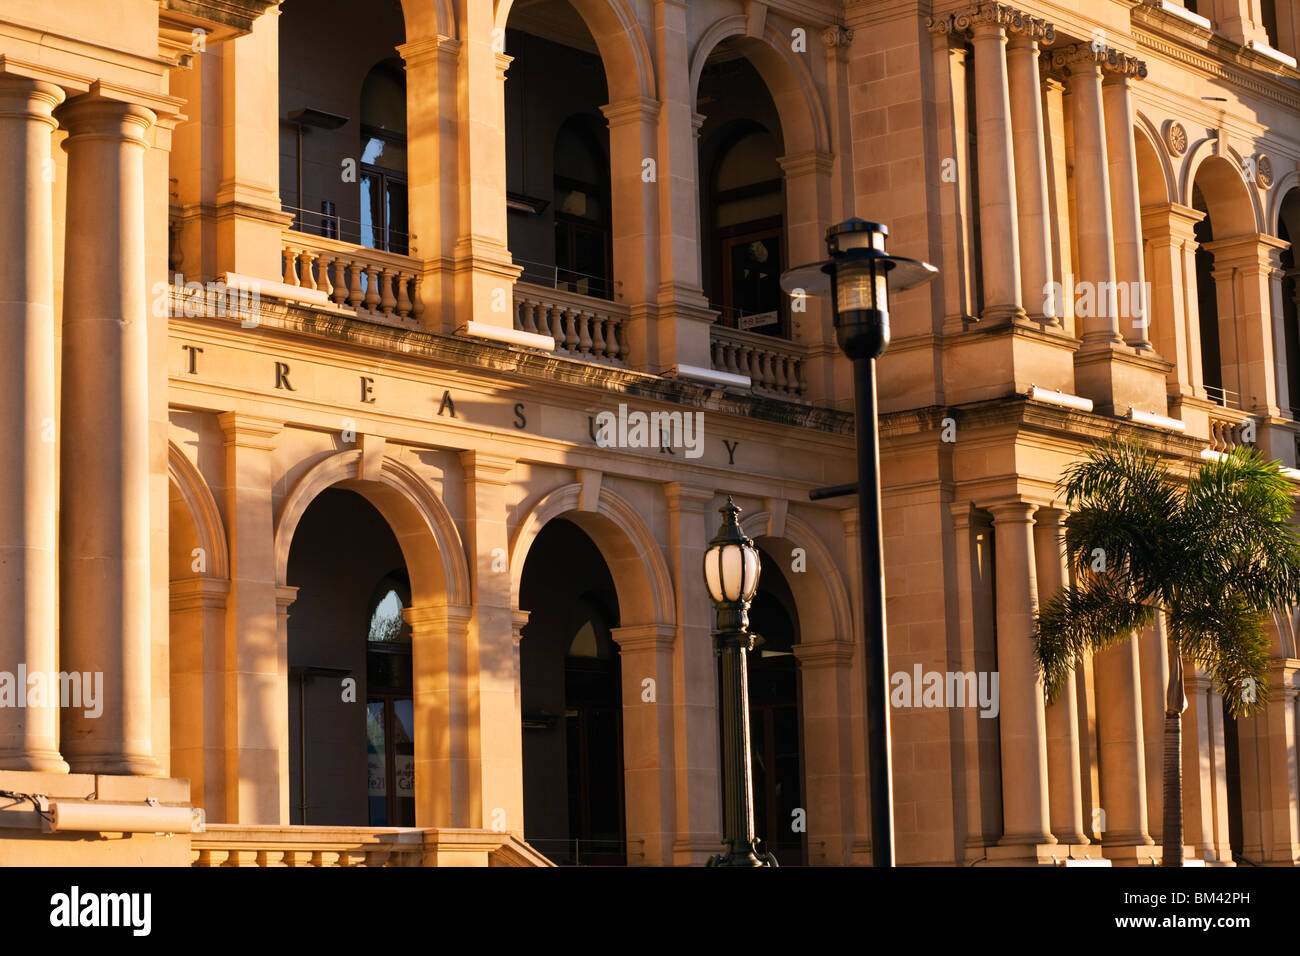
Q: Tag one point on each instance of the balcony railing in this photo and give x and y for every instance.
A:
(594, 330)
(1226, 425)
(240, 845)
(774, 366)
(381, 286)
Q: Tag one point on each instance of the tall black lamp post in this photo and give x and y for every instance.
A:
(859, 276)
(731, 569)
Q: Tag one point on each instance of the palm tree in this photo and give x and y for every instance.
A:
(1215, 554)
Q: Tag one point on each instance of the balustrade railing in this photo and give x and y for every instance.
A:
(774, 366)
(1226, 429)
(381, 286)
(591, 329)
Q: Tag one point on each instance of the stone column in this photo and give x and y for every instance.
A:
(983, 808)
(432, 164)
(635, 216)
(484, 270)
(1028, 137)
(1092, 192)
(1126, 211)
(695, 679)
(28, 575)
(104, 468)
(1153, 660)
(437, 634)
(1171, 247)
(250, 221)
(646, 653)
(1205, 782)
(826, 678)
(197, 625)
(1120, 753)
(1025, 807)
(808, 202)
(959, 279)
(495, 738)
(999, 233)
(1062, 717)
(1054, 110)
(1270, 782)
(1243, 267)
(257, 640)
(684, 316)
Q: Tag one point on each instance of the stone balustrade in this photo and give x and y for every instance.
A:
(247, 845)
(1226, 426)
(593, 330)
(774, 366)
(381, 286)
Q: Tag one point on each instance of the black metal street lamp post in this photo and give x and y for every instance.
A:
(731, 569)
(859, 276)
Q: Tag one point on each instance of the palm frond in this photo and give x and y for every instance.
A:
(1097, 613)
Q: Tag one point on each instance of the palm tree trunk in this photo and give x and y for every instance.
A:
(1175, 704)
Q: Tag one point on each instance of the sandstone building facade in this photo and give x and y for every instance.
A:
(311, 311)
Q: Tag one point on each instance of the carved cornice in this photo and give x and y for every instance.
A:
(837, 36)
(1108, 60)
(1001, 15)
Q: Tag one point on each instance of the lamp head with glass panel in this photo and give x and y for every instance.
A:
(731, 570)
(859, 276)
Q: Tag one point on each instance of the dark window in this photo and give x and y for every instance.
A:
(746, 203)
(583, 236)
(390, 708)
(384, 221)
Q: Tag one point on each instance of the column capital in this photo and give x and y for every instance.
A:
(425, 50)
(1170, 220)
(249, 431)
(90, 115)
(26, 98)
(1011, 511)
(433, 617)
(824, 654)
(1258, 251)
(811, 161)
(1050, 514)
(1093, 59)
(188, 594)
(285, 595)
(645, 637)
(633, 109)
(518, 621)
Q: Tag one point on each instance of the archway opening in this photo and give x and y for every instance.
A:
(775, 719)
(343, 120)
(571, 701)
(557, 151)
(1288, 230)
(351, 711)
(742, 194)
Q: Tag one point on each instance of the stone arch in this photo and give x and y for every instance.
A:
(429, 18)
(435, 556)
(206, 531)
(821, 597)
(620, 40)
(1278, 197)
(1156, 177)
(1232, 207)
(804, 126)
(634, 558)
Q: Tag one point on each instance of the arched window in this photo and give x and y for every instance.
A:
(747, 205)
(583, 237)
(390, 709)
(384, 223)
